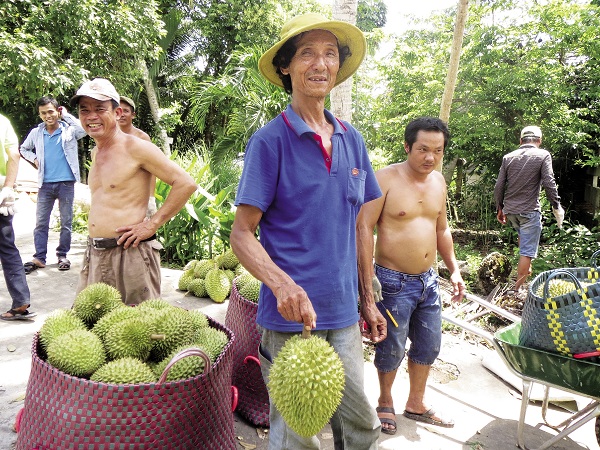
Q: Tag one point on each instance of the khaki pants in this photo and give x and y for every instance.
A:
(135, 272)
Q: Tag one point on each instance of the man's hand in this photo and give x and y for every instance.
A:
(559, 214)
(377, 289)
(7, 201)
(501, 217)
(134, 234)
(294, 305)
(375, 324)
(459, 289)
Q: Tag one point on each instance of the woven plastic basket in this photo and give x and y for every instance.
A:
(66, 412)
(253, 397)
(568, 324)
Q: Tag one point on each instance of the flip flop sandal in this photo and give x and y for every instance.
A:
(16, 315)
(64, 263)
(30, 267)
(388, 420)
(427, 417)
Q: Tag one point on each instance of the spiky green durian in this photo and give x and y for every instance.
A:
(306, 382)
(183, 284)
(95, 300)
(212, 341)
(197, 287)
(131, 338)
(186, 367)
(556, 288)
(203, 266)
(199, 319)
(248, 287)
(239, 270)
(79, 353)
(124, 371)
(155, 304)
(59, 322)
(217, 285)
(177, 326)
(190, 265)
(227, 260)
(108, 320)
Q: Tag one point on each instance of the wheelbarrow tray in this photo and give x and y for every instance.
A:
(575, 375)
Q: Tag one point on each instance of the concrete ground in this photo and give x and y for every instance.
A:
(484, 407)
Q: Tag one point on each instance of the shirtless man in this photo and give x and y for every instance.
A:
(122, 247)
(126, 125)
(411, 227)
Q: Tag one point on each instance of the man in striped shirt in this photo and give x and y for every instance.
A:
(522, 175)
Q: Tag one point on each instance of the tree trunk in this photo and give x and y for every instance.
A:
(459, 30)
(165, 140)
(341, 95)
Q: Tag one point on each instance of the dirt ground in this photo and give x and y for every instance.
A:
(484, 407)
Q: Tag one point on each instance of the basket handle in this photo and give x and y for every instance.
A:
(183, 354)
(235, 397)
(251, 358)
(594, 259)
(557, 273)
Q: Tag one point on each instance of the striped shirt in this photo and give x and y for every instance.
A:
(522, 175)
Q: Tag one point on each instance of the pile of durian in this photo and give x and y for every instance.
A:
(557, 287)
(104, 340)
(213, 278)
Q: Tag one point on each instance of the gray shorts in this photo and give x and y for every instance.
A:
(134, 271)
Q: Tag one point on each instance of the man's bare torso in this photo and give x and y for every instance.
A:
(119, 187)
(406, 229)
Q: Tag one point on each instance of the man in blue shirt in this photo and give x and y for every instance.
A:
(51, 147)
(306, 175)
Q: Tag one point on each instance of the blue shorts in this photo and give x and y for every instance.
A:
(414, 302)
(529, 227)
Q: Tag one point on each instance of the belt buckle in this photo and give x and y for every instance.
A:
(103, 243)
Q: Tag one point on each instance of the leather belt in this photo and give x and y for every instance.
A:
(105, 243)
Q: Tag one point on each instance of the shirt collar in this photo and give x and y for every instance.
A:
(300, 127)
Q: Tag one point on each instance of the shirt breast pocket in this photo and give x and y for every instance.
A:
(356, 186)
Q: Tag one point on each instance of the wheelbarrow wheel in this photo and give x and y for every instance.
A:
(597, 428)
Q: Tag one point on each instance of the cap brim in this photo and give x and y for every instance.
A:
(347, 35)
(75, 99)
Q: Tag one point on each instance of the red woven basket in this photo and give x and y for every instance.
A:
(253, 398)
(66, 412)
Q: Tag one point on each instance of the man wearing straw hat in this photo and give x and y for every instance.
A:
(306, 175)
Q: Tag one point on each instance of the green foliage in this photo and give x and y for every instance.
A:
(201, 229)
(572, 246)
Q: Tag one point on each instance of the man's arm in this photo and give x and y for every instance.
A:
(365, 225)
(445, 247)
(72, 121)
(548, 182)
(27, 149)
(292, 301)
(182, 187)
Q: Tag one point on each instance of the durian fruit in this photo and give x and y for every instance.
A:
(248, 287)
(154, 304)
(197, 286)
(217, 285)
(556, 288)
(306, 383)
(203, 266)
(59, 322)
(79, 353)
(185, 368)
(230, 274)
(95, 300)
(124, 371)
(130, 338)
(199, 319)
(190, 265)
(212, 341)
(227, 260)
(240, 270)
(107, 321)
(176, 325)
(183, 284)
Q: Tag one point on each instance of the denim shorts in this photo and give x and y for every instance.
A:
(414, 302)
(529, 227)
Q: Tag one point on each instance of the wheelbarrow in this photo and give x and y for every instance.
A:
(551, 370)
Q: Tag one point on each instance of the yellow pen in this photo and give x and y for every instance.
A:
(391, 317)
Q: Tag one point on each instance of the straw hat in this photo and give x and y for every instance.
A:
(346, 34)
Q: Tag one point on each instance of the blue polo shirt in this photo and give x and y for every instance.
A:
(56, 167)
(308, 226)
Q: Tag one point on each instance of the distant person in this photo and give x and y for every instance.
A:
(12, 264)
(126, 125)
(122, 248)
(51, 148)
(306, 175)
(522, 175)
(412, 228)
